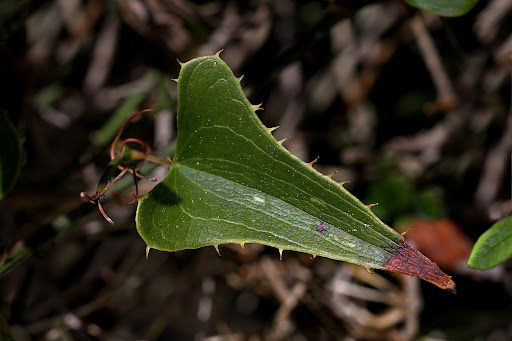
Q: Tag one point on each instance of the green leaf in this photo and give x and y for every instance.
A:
(232, 182)
(446, 8)
(10, 155)
(493, 247)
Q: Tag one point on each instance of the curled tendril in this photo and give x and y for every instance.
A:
(118, 136)
(147, 150)
(99, 198)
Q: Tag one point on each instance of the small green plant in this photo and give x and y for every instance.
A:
(446, 8)
(232, 182)
(493, 247)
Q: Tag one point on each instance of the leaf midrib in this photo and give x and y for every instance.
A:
(181, 165)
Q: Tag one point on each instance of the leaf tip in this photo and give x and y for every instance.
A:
(409, 261)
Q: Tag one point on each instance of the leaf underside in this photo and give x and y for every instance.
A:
(232, 182)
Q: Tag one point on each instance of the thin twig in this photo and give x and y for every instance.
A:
(495, 166)
(446, 94)
(48, 232)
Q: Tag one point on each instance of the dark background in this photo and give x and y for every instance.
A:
(411, 108)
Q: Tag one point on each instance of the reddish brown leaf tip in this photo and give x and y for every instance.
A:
(409, 261)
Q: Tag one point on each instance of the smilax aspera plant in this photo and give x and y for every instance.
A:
(232, 182)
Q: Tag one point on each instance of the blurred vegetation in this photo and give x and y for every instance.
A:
(411, 108)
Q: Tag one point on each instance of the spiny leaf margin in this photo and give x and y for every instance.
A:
(227, 163)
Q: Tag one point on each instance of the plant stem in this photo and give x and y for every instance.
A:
(44, 235)
(48, 232)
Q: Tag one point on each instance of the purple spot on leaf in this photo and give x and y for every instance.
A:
(322, 228)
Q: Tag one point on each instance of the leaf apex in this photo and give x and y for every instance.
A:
(409, 261)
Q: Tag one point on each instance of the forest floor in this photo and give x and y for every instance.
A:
(412, 109)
